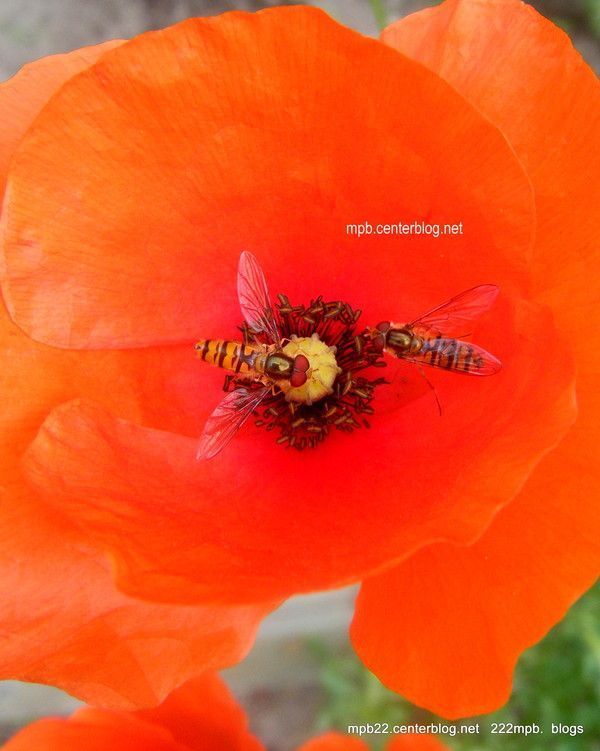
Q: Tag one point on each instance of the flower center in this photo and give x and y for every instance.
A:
(315, 369)
(328, 389)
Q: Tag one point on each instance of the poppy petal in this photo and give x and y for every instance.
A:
(41, 642)
(161, 183)
(77, 632)
(446, 627)
(163, 387)
(203, 715)
(165, 517)
(522, 72)
(23, 96)
(93, 730)
(334, 742)
(541, 554)
(158, 387)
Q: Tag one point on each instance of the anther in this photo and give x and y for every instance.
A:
(303, 425)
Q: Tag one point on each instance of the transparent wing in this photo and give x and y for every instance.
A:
(227, 419)
(253, 295)
(457, 356)
(455, 316)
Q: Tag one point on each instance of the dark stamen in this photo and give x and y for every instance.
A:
(305, 426)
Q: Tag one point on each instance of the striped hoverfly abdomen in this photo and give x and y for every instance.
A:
(234, 356)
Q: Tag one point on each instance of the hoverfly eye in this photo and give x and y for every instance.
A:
(298, 378)
(301, 364)
(384, 327)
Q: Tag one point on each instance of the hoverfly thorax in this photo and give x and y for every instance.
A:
(279, 365)
(392, 338)
(401, 340)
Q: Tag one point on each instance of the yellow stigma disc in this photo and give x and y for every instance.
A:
(321, 374)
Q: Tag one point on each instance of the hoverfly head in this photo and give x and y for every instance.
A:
(379, 335)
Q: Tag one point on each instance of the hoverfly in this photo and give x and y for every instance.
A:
(302, 368)
(431, 338)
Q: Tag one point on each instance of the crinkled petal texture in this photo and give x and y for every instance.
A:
(204, 716)
(446, 627)
(128, 202)
(148, 387)
(159, 164)
(162, 162)
(200, 716)
(22, 97)
(64, 623)
(62, 620)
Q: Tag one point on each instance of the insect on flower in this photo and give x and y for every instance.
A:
(308, 369)
(303, 369)
(430, 339)
(102, 392)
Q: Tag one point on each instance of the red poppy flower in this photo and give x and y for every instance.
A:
(63, 622)
(128, 202)
(201, 715)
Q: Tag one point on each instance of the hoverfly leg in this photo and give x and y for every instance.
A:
(432, 387)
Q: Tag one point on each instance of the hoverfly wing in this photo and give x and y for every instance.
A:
(455, 355)
(453, 317)
(227, 419)
(253, 295)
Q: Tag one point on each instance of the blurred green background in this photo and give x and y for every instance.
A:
(557, 681)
